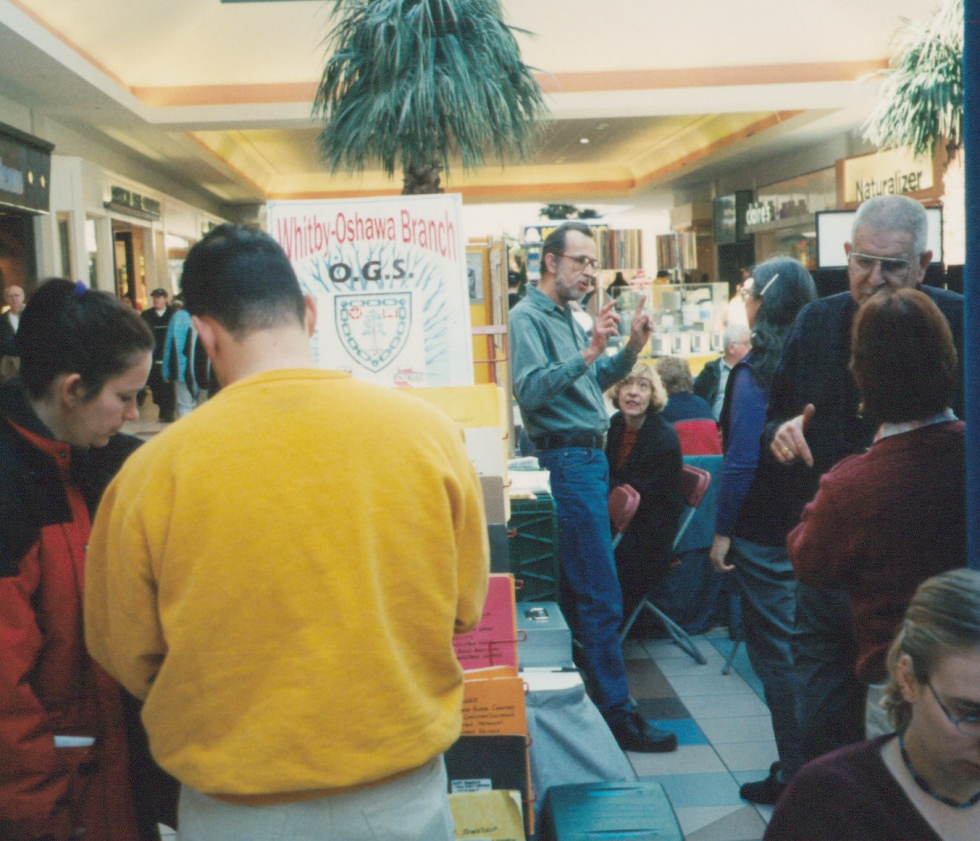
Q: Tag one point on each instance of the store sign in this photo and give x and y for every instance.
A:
(885, 173)
(759, 213)
(25, 171)
(390, 279)
(133, 204)
(774, 208)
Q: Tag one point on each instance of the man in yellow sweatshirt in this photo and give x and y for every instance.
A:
(280, 575)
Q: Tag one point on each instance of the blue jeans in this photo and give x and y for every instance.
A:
(768, 593)
(831, 709)
(590, 595)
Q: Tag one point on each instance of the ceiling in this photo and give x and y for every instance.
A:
(217, 94)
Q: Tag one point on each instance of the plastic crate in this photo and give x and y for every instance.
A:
(532, 533)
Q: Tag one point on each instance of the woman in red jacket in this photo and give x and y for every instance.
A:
(64, 758)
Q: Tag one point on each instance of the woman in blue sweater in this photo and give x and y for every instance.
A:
(748, 539)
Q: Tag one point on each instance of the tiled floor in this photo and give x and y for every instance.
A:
(723, 730)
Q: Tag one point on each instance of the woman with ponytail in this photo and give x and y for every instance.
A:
(749, 539)
(65, 768)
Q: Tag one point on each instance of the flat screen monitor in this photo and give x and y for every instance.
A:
(834, 229)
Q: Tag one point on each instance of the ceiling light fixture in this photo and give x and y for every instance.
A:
(584, 140)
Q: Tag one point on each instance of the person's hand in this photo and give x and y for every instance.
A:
(719, 551)
(606, 325)
(641, 327)
(789, 443)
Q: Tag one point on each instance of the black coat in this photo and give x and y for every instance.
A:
(654, 468)
(706, 384)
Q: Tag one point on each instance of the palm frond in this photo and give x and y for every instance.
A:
(412, 83)
(921, 97)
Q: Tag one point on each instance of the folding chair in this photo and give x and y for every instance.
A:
(694, 485)
(624, 500)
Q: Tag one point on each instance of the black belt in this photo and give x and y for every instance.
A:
(561, 440)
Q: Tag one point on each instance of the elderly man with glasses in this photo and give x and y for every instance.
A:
(815, 419)
(559, 377)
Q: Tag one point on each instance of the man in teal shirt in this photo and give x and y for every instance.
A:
(559, 376)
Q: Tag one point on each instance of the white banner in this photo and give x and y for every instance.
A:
(389, 278)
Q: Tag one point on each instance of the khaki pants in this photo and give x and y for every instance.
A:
(414, 807)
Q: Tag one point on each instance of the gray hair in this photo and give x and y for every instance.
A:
(734, 333)
(894, 213)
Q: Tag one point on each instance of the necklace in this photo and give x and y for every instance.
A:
(928, 789)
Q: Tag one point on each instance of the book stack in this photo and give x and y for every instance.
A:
(491, 756)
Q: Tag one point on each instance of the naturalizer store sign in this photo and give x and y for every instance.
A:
(885, 173)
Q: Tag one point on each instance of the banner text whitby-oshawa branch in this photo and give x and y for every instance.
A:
(301, 236)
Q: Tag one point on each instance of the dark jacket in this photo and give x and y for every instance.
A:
(48, 683)
(753, 486)
(653, 468)
(706, 384)
(158, 322)
(7, 347)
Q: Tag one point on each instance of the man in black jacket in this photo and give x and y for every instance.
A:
(158, 319)
(711, 382)
(814, 420)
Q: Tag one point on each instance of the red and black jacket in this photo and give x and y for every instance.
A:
(48, 684)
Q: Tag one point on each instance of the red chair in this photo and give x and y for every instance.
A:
(622, 506)
(623, 502)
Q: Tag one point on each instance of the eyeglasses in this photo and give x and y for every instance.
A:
(582, 261)
(968, 725)
(892, 268)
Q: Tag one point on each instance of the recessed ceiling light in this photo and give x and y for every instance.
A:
(584, 140)
(602, 126)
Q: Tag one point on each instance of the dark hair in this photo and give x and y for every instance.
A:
(943, 618)
(784, 287)
(242, 279)
(902, 356)
(675, 374)
(68, 329)
(554, 243)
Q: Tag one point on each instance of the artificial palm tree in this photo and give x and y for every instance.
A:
(412, 83)
(921, 97)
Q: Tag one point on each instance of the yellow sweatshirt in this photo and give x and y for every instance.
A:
(280, 575)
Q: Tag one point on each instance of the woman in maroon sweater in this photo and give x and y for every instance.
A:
(884, 521)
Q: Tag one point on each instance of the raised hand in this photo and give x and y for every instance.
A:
(641, 327)
(606, 325)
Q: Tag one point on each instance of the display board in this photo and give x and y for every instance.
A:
(389, 276)
(834, 229)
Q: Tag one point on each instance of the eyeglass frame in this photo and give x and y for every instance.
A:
(956, 722)
(582, 261)
(880, 261)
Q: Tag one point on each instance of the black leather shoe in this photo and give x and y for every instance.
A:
(633, 733)
(764, 792)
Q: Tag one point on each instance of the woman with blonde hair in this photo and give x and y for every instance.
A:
(922, 782)
(645, 452)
